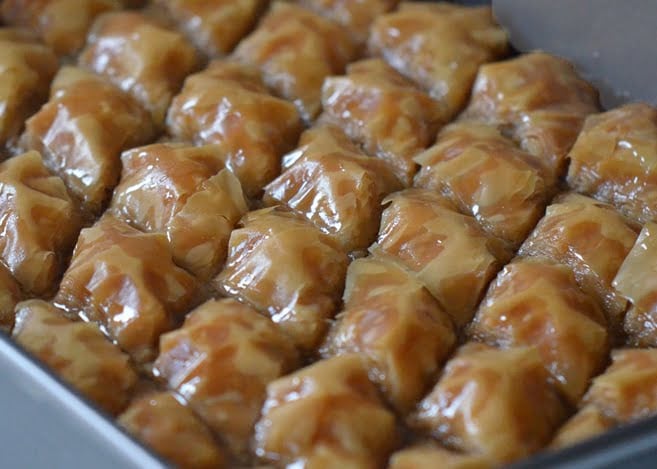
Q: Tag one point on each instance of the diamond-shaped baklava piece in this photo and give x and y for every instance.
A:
(10, 294)
(432, 456)
(585, 424)
(76, 351)
(326, 415)
(126, 281)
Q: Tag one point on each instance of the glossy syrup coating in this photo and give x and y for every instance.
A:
(284, 266)
(383, 111)
(497, 403)
(335, 186)
(586, 423)
(615, 158)
(172, 430)
(485, 175)
(392, 320)
(10, 294)
(182, 191)
(221, 361)
(127, 282)
(82, 130)
(61, 24)
(592, 239)
(445, 250)
(77, 352)
(228, 105)
(536, 303)
(296, 49)
(432, 456)
(325, 415)
(141, 57)
(439, 46)
(39, 223)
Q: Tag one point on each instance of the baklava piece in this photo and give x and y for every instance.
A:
(326, 415)
(228, 105)
(537, 99)
(496, 403)
(62, 24)
(183, 192)
(615, 158)
(432, 456)
(585, 424)
(445, 250)
(126, 281)
(296, 49)
(167, 426)
(141, 57)
(10, 294)
(440, 47)
(592, 239)
(27, 69)
(284, 266)
(394, 322)
(536, 303)
(39, 223)
(82, 130)
(76, 351)
(485, 175)
(335, 186)
(383, 111)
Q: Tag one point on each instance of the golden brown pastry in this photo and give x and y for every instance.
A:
(335, 186)
(393, 321)
(439, 46)
(537, 99)
(140, 57)
(433, 456)
(221, 361)
(39, 223)
(172, 430)
(326, 415)
(82, 130)
(444, 249)
(585, 424)
(535, 303)
(485, 175)
(10, 294)
(181, 191)
(27, 69)
(497, 403)
(62, 24)
(284, 266)
(228, 105)
(593, 240)
(296, 49)
(126, 281)
(380, 109)
(76, 351)
(614, 160)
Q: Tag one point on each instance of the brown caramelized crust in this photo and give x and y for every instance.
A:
(221, 361)
(535, 303)
(126, 281)
(383, 111)
(140, 57)
(10, 294)
(62, 24)
(593, 240)
(326, 415)
(38, 222)
(183, 192)
(393, 321)
(537, 99)
(497, 403)
(334, 186)
(433, 456)
(585, 424)
(82, 130)
(27, 69)
(296, 49)
(284, 266)
(77, 352)
(445, 250)
(228, 105)
(486, 176)
(162, 422)
(439, 46)
(615, 158)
